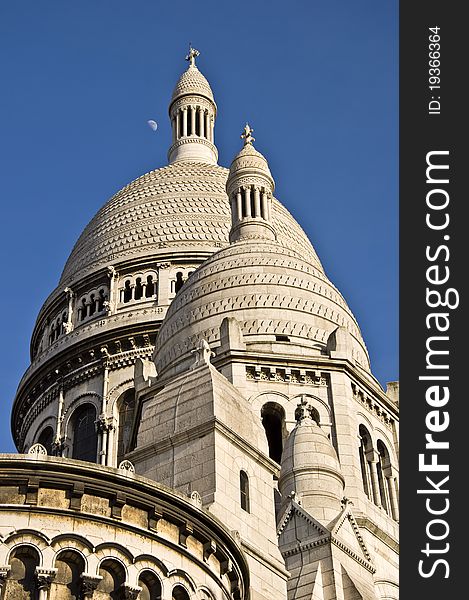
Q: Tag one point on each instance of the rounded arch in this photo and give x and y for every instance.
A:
(74, 541)
(23, 561)
(113, 550)
(179, 592)
(87, 398)
(70, 564)
(49, 421)
(150, 584)
(113, 575)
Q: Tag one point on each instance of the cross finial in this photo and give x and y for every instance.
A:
(246, 135)
(193, 53)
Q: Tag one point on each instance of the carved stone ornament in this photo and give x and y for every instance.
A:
(196, 498)
(203, 354)
(45, 577)
(38, 450)
(126, 465)
(129, 592)
(88, 584)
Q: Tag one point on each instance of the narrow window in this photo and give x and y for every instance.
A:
(244, 490)
(46, 438)
(189, 120)
(127, 292)
(138, 289)
(380, 466)
(101, 300)
(179, 282)
(126, 405)
(21, 582)
(85, 440)
(92, 304)
(150, 289)
(67, 582)
(273, 419)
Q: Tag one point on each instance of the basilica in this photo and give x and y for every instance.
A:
(199, 420)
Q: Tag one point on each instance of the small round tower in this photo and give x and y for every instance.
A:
(311, 469)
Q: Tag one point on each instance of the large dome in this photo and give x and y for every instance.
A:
(180, 206)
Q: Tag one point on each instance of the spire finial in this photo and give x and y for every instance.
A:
(303, 410)
(246, 135)
(193, 53)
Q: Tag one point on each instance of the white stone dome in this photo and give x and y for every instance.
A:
(271, 290)
(179, 207)
(192, 82)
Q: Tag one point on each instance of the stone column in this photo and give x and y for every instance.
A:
(391, 480)
(163, 284)
(257, 202)
(192, 120)
(373, 457)
(247, 200)
(178, 123)
(184, 122)
(201, 122)
(44, 579)
(264, 205)
(173, 128)
(239, 206)
(68, 326)
(3, 576)
(88, 584)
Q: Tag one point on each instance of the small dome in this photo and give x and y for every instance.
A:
(271, 290)
(311, 469)
(192, 82)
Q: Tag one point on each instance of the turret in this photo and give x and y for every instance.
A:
(192, 112)
(250, 187)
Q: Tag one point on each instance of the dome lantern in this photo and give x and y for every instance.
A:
(250, 187)
(192, 112)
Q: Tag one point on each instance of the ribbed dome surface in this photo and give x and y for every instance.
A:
(192, 82)
(270, 289)
(183, 205)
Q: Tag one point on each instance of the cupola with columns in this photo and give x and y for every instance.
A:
(250, 186)
(192, 111)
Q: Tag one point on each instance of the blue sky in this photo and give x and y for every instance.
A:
(317, 80)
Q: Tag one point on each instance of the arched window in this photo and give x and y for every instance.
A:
(85, 439)
(382, 464)
(180, 593)
(138, 293)
(244, 490)
(150, 287)
(179, 282)
(273, 419)
(102, 299)
(67, 582)
(126, 406)
(127, 291)
(364, 448)
(46, 438)
(21, 583)
(113, 576)
(151, 586)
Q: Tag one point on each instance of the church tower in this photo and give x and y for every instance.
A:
(199, 420)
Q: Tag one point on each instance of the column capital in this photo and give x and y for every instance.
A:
(130, 592)
(88, 584)
(45, 577)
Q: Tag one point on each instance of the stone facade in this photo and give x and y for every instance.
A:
(199, 420)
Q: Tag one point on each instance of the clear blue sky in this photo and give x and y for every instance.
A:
(318, 81)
